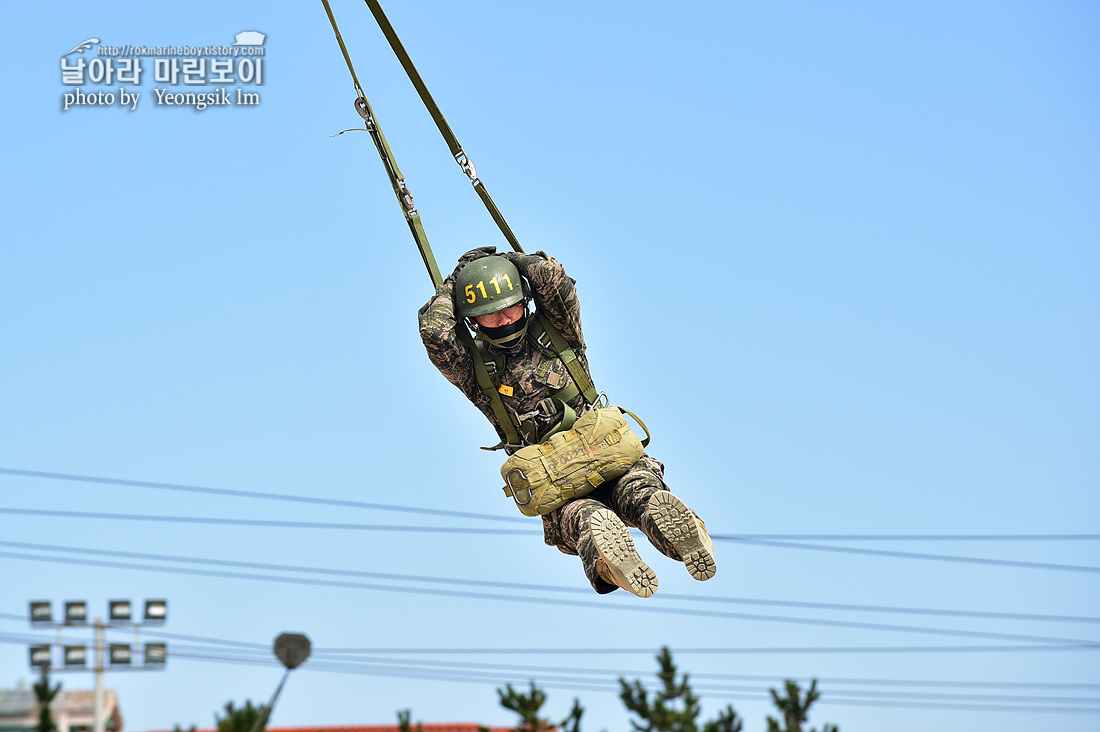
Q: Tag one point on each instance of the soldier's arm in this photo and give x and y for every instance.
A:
(555, 292)
(438, 331)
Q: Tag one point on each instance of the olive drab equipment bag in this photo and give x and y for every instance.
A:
(599, 447)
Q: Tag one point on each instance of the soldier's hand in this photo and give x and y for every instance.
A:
(524, 261)
(472, 255)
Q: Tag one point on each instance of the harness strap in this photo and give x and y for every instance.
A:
(460, 156)
(504, 417)
(517, 432)
(397, 181)
(572, 364)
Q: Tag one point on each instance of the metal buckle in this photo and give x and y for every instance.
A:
(515, 493)
(406, 197)
(364, 112)
(466, 164)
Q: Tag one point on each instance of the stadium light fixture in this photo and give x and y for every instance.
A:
(120, 654)
(156, 654)
(40, 657)
(156, 611)
(76, 656)
(119, 611)
(41, 612)
(76, 612)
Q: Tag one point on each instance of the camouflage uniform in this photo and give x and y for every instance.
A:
(555, 297)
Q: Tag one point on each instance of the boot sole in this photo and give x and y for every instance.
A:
(616, 549)
(678, 525)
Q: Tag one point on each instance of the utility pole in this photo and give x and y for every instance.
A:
(115, 657)
(97, 715)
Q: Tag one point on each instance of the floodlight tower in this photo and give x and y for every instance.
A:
(120, 655)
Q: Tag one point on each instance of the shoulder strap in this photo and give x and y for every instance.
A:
(504, 417)
(569, 358)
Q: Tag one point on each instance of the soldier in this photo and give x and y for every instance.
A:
(492, 291)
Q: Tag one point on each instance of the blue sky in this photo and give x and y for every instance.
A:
(844, 260)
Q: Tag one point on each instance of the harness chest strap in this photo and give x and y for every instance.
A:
(504, 417)
(572, 364)
(582, 384)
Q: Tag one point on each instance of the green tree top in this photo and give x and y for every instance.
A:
(795, 709)
(44, 694)
(528, 706)
(674, 708)
(240, 719)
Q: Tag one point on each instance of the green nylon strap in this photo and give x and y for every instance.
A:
(453, 144)
(504, 417)
(568, 419)
(397, 181)
(572, 364)
(645, 442)
(480, 354)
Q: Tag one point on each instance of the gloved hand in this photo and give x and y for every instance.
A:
(472, 255)
(524, 261)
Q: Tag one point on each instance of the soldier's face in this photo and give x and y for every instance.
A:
(501, 318)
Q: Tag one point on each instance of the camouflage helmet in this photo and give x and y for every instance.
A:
(487, 285)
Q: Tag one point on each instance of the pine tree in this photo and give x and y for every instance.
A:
(403, 724)
(44, 694)
(795, 709)
(527, 706)
(239, 719)
(674, 708)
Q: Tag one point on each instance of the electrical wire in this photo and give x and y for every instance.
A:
(517, 519)
(889, 699)
(606, 605)
(912, 555)
(259, 495)
(745, 539)
(566, 679)
(271, 523)
(574, 590)
(341, 654)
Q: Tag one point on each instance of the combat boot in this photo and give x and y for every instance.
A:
(618, 561)
(680, 526)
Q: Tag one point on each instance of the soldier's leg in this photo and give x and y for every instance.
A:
(643, 500)
(588, 528)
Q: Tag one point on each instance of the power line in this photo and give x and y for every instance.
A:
(559, 651)
(913, 537)
(926, 701)
(731, 651)
(993, 615)
(913, 555)
(495, 597)
(517, 519)
(745, 539)
(258, 495)
(341, 653)
(270, 523)
(566, 677)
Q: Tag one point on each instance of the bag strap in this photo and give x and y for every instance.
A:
(645, 442)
